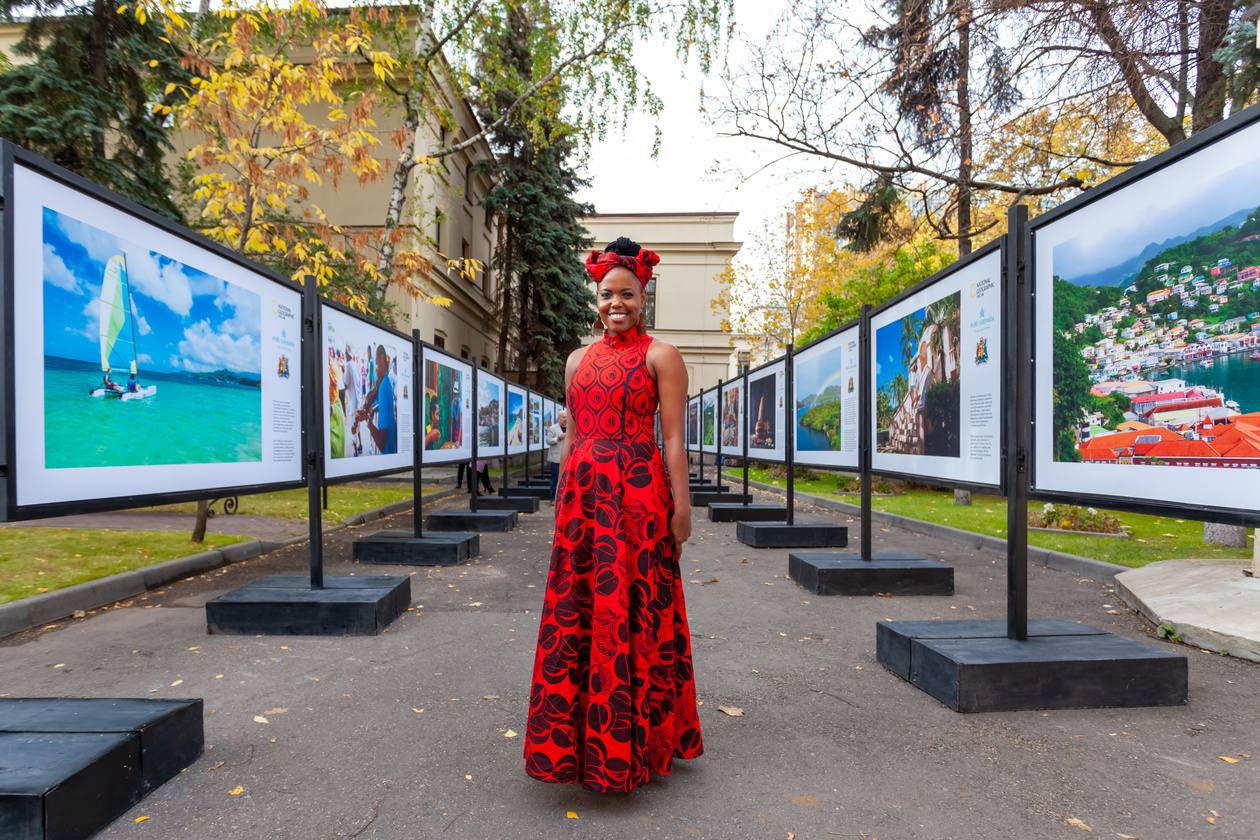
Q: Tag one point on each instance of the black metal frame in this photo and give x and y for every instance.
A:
(856, 322)
(1207, 513)
(748, 377)
(419, 420)
(321, 355)
(1000, 246)
(10, 155)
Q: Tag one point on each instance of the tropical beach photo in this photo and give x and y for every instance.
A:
(443, 409)
(535, 420)
(917, 371)
(147, 361)
(1157, 336)
(761, 408)
(820, 391)
(489, 402)
(515, 418)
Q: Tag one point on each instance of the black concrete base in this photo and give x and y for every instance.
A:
(535, 492)
(1062, 665)
(696, 487)
(498, 521)
(534, 482)
(70, 767)
(280, 605)
(697, 480)
(403, 548)
(799, 535)
(845, 573)
(704, 498)
(726, 512)
(520, 504)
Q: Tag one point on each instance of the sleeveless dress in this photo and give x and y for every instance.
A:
(613, 695)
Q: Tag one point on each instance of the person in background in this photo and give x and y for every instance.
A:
(555, 442)
(480, 472)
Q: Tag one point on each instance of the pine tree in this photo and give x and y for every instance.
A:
(85, 99)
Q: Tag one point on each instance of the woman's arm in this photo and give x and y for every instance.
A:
(666, 363)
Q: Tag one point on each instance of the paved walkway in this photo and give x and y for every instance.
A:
(404, 735)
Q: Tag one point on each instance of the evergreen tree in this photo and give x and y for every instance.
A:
(545, 301)
(85, 100)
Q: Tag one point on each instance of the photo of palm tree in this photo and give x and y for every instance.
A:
(917, 394)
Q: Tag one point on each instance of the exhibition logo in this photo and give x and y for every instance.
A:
(282, 370)
(983, 320)
(981, 288)
(282, 311)
(850, 384)
(982, 351)
(282, 340)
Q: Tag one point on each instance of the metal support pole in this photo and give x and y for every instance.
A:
(417, 435)
(475, 477)
(325, 497)
(746, 404)
(700, 434)
(717, 437)
(789, 423)
(1017, 350)
(864, 424)
(313, 433)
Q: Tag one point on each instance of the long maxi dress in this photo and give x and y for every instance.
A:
(613, 696)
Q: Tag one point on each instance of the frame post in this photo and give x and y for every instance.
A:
(1015, 450)
(745, 434)
(417, 437)
(474, 477)
(314, 431)
(789, 423)
(717, 437)
(700, 437)
(864, 425)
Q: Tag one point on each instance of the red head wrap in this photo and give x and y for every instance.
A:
(598, 265)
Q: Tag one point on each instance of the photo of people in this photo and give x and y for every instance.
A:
(362, 397)
(515, 418)
(489, 406)
(762, 411)
(730, 416)
(917, 387)
(444, 389)
(693, 423)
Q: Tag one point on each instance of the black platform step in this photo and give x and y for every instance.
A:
(1062, 665)
(708, 487)
(520, 504)
(403, 548)
(536, 492)
(798, 535)
(70, 767)
(498, 521)
(703, 498)
(281, 605)
(845, 573)
(534, 482)
(726, 512)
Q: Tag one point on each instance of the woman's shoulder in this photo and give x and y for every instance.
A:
(662, 349)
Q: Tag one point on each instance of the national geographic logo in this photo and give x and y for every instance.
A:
(980, 288)
(284, 312)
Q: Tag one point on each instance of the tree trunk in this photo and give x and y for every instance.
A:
(397, 198)
(99, 59)
(1233, 536)
(506, 263)
(203, 516)
(962, 497)
(964, 134)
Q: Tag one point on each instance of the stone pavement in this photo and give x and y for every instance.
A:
(830, 745)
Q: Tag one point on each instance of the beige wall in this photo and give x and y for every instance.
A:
(694, 249)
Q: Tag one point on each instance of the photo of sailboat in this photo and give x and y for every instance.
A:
(115, 305)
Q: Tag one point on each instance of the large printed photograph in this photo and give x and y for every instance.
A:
(515, 418)
(147, 361)
(820, 390)
(444, 390)
(489, 414)
(693, 422)
(708, 420)
(535, 421)
(917, 381)
(732, 414)
(1156, 319)
(364, 388)
(763, 411)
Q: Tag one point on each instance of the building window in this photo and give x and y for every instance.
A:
(468, 183)
(437, 234)
(463, 353)
(649, 305)
(439, 341)
(485, 363)
(466, 249)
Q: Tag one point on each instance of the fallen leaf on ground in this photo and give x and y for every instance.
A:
(260, 719)
(237, 791)
(417, 711)
(177, 682)
(490, 697)
(216, 767)
(509, 734)
(1074, 821)
(1126, 836)
(275, 711)
(1227, 758)
(791, 836)
(141, 819)
(883, 594)
(1212, 820)
(572, 815)
(1244, 755)
(732, 711)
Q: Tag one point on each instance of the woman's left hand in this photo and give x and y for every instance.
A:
(680, 530)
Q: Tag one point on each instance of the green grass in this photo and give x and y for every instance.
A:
(1154, 537)
(34, 560)
(344, 500)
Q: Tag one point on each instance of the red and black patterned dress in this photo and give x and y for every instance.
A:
(613, 696)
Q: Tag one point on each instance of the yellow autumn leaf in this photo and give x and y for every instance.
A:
(1075, 822)
(141, 819)
(1227, 758)
(237, 791)
(572, 815)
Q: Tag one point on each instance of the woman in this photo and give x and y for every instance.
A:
(613, 697)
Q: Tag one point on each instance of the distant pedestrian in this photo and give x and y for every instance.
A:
(555, 444)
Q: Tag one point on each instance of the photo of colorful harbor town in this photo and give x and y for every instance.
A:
(1158, 362)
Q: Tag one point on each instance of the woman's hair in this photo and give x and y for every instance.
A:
(623, 246)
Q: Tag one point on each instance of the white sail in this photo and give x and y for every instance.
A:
(113, 307)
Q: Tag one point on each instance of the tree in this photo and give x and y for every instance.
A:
(85, 100)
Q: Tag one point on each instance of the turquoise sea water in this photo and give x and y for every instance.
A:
(1237, 376)
(810, 440)
(185, 422)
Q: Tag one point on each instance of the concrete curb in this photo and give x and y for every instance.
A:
(46, 607)
(1060, 560)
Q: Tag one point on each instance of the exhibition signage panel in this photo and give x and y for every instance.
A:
(767, 412)
(448, 414)
(826, 387)
(516, 419)
(368, 371)
(731, 417)
(491, 411)
(693, 423)
(709, 421)
(1146, 311)
(937, 374)
(144, 363)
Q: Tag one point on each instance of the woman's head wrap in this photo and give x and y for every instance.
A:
(626, 254)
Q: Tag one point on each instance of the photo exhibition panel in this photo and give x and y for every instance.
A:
(517, 420)
(447, 408)
(767, 390)
(825, 389)
(491, 410)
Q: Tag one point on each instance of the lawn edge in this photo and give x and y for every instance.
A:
(1062, 561)
(35, 610)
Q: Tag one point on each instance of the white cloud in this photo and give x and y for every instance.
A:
(57, 272)
(167, 284)
(144, 358)
(205, 349)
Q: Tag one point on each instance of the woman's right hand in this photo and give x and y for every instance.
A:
(680, 528)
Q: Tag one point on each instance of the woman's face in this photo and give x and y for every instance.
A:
(619, 300)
